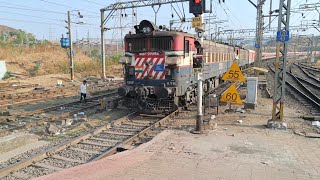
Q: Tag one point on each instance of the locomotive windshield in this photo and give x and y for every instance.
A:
(153, 44)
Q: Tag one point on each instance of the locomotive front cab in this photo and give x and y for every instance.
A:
(149, 65)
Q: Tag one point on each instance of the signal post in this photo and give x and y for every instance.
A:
(197, 7)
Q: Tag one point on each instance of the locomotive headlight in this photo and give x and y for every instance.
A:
(147, 27)
(146, 30)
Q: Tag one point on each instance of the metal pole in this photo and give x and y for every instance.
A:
(199, 127)
(71, 48)
(103, 53)
(281, 62)
(270, 14)
(312, 48)
(259, 33)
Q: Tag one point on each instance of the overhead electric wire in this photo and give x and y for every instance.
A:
(31, 16)
(28, 21)
(27, 8)
(58, 4)
(95, 3)
(30, 9)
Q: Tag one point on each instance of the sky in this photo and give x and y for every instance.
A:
(46, 18)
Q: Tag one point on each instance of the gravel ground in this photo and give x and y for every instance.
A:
(72, 154)
(12, 178)
(120, 131)
(59, 163)
(101, 142)
(90, 147)
(111, 136)
(130, 127)
(36, 171)
(23, 156)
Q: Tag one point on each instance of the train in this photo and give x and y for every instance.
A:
(159, 67)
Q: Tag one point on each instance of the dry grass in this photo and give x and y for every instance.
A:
(48, 59)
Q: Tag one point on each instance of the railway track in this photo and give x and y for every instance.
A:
(101, 142)
(15, 86)
(315, 72)
(10, 98)
(306, 74)
(41, 116)
(17, 99)
(302, 90)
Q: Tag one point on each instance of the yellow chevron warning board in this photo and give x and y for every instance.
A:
(234, 73)
(231, 96)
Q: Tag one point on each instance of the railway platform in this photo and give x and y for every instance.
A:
(230, 149)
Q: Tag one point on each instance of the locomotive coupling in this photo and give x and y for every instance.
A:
(124, 90)
(155, 92)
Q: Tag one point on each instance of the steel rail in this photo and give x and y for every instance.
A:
(312, 102)
(56, 117)
(309, 67)
(51, 151)
(306, 73)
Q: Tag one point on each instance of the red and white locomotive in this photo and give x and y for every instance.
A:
(158, 67)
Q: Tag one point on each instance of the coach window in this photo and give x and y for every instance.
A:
(186, 47)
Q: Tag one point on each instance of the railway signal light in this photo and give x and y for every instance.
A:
(197, 6)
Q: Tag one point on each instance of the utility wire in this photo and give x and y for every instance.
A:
(31, 16)
(29, 9)
(26, 8)
(67, 6)
(28, 21)
(95, 3)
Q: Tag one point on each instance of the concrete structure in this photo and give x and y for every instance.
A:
(252, 89)
(3, 69)
(18, 143)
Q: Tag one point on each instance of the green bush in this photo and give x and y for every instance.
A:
(114, 59)
(7, 75)
(35, 70)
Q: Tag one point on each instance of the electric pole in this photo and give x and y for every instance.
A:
(71, 52)
(281, 63)
(259, 33)
(103, 55)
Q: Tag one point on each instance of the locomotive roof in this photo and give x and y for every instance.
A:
(170, 33)
(159, 33)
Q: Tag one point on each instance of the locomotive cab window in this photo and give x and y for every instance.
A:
(137, 45)
(186, 47)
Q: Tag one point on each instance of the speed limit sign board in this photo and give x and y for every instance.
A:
(231, 96)
(234, 73)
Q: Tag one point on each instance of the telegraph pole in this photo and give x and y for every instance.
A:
(259, 33)
(103, 53)
(281, 64)
(71, 48)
